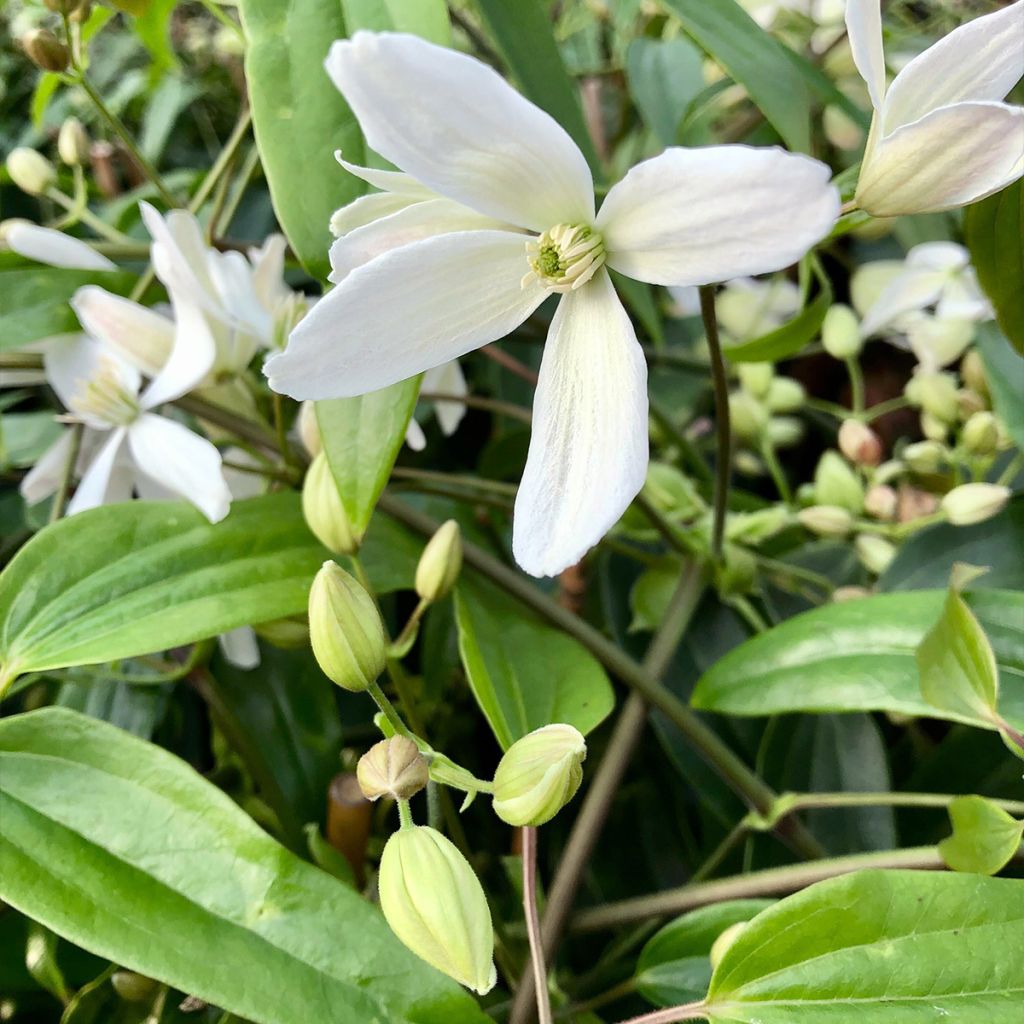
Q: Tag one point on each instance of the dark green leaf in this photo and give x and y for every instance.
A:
(984, 836)
(1004, 372)
(665, 75)
(427, 18)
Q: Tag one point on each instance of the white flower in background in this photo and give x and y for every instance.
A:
(46, 245)
(447, 379)
(747, 308)
(940, 138)
(458, 129)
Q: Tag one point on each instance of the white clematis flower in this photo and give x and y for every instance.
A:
(519, 224)
(940, 138)
(446, 379)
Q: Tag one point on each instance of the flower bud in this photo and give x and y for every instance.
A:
(324, 512)
(875, 553)
(345, 629)
(45, 50)
(859, 443)
(132, 987)
(974, 503)
(835, 483)
(785, 395)
(925, 456)
(969, 402)
(880, 502)
(440, 563)
(756, 378)
(737, 571)
(972, 369)
(784, 431)
(826, 520)
(936, 393)
(436, 906)
(981, 434)
(840, 332)
(286, 634)
(749, 417)
(82, 11)
(394, 768)
(73, 143)
(30, 171)
(309, 430)
(539, 775)
(61, 6)
(933, 428)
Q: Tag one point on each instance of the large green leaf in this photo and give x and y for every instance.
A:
(123, 849)
(994, 230)
(665, 76)
(130, 579)
(362, 438)
(525, 674)
(860, 656)
(892, 947)
(427, 18)
(300, 119)
(755, 60)
(1004, 371)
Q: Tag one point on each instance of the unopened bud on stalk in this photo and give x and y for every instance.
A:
(880, 502)
(325, 514)
(737, 572)
(394, 768)
(61, 6)
(345, 629)
(435, 904)
(82, 11)
(859, 443)
(972, 369)
(969, 402)
(73, 143)
(309, 429)
(440, 563)
(875, 553)
(840, 333)
(933, 428)
(785, 395)
(132, 987)
(749, 416)
(539, 775)
(784, 431)
(974, 503)
(925, 456)
(936, 394)
(826, 520)
(45, 50)
(835, 483)
(981, 434)
(756, 378)
(30, 171)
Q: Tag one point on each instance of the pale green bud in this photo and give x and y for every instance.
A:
(974, 503)
(132, 987)
(73, 143)
(835, 483)
(324, 512)
(758, 526)
(840, 332)
(539, 775)
(670, 491)
(748, 464)
(440, 563)
(756, 378)
(826, 520)
(30, 171)
(875, 553)
(933, 428)
(345, 629)
(287, 634)
(981, 434)
(749, 416)
(394, 768)
(881, 502)
(925, 456)
(785, 395)
(721, 945)
(969, 402)
(972, 369)
(935, 393)
(435, 904)
(45, 50)
(784, 431)
(859, 443)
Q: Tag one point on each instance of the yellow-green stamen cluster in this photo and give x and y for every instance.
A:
(565, 256)
(105, 397)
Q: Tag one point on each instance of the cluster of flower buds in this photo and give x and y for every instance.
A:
(761, 410)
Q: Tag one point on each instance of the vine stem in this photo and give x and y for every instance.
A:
(540, 974)
(672, 1014)
(723, 425)
(60, 499)
(856, 385)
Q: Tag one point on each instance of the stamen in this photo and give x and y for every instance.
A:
(105, 397)
(564, 257)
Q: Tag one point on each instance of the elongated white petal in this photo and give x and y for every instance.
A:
(694, 216)
(108, 478)
(406, 311)
(240, 647)
(45, 476)
(588, 450)
(450, 380)
(367, 209)
(414, 436)
(864, 27)
(387, 181)
(178, 252)
(948, 256)
(912, 290)
(455, 125)
(411, 224)
(138, 334)
(181, 461)
(949, 158)
(963, 299)
(45, 245)
(981, 60)
(238, 297)
(191, 357)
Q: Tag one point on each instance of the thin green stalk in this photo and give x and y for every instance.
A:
(388, 709)
(792, 802)
(882, 408)
(455, 479)
(405, 814)
(856, 385)
(81, 212)
(540, 974)
(1015, 465)
(720, 852)
(238, 188)
(749, 613)
(771, 460)
(60, 499)
(723, 426)
(611, 995)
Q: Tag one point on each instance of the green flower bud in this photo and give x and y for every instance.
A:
(933, 428)
(840, 332)
(784, 431)
(440, 563)
(394, 768)
(755, 527)
(345, 629)
(969, 402)
(972, 369)
(981, 434)
(30, 171)
(835, 483)
(61, 6)
(132, 987)
(749, 417)
(785, 395)
(974, 503)
(670, 491)
(859, 443)
(324, 512)
(539, 775)
(875, 553)
(45, 50)
(925, 456)
(756, 378)
(881, 502)
(287, 634)
(935, 393)
(435, 904)
(826, 520)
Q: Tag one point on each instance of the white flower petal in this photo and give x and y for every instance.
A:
(138, 334)
(108, 478)
(367, 209)
(588, 450)
(411, 224)
(45, 245)
(912, 290)
(387, 181)
(179, 253)
(240, 647)
(963, 299)
(981, 60)
(695, 216)
(181, 461)
(240, 301)
(938, 341)
(44, 477)
(458, 127)
(406, 311)
(949, 158)
(864, 27)
(947, 256)
(191, 357)
(447, 379)
(414, 436)
(72, 361)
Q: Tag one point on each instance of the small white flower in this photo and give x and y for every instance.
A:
(461, 277)
(940, 138)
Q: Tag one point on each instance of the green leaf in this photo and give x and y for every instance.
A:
(1004, 372)
(665, 76)
(362, 438)
(427, 18)
(300, 118)
(984, 836)
(523, 673)
(879, 947)
(860, 656)
(25, 436)
(994, 232)
(755, 60)
(204, 900)
(148, 576)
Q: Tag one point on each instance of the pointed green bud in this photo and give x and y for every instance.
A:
(45, 50)
(324, 512)
(840, 332)
(936, 394)
(875, 553)
(972, 369)
(30, 171)
(440, 563)
(73, 143)
(756, 378)
(309, 429)
(435, 904)
(933, 428)
(826, 520)
(981, 434)
(132, 987)
(394, 768)
(749, 416)
(925, 456)
(835, 483)
(785, 395)
(974, 503)
(539, 775)
(345, 629)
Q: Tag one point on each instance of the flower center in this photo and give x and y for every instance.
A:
(105, 397)
(565, 257)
